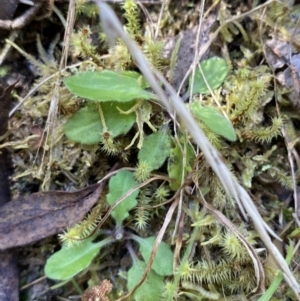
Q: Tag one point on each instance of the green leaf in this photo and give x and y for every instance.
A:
(68, 262)
(214, 120)
(175, 164)
(106, 86)
(138, 76)
(118, 186)
(215, 71)
(156, 149)
(85, 125)
(163, 261)
(295, 233)
(152, 287)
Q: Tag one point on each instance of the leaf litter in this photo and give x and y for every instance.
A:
(42, 214)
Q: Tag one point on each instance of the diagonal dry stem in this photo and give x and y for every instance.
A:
(53, 110)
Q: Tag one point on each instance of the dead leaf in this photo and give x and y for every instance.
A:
(277, 53)
(39, 215)
(9, 274)
(280, 56)
(290, 78)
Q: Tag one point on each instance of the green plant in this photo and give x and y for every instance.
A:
(215, 121)
(208, 76)
(115, 115)
(105, 105)
(104, 117)
(76, 255)
(106, 102)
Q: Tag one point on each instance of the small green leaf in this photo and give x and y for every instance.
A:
(152, 287)
(118, 186)
(139, 77)
(68, 262)
(156, 149)
(278, 279)
(106, 86)
(215, 71)
(163, 261)
(295, 233)
(214, 120)
(85, 125)
(175, 164)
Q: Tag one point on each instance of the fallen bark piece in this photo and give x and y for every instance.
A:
(9, 275)
(39, 215)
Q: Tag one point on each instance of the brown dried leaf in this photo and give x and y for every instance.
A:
(9, 274)
(277, 53)
(279, 56)
(290, 78)
(39, 215)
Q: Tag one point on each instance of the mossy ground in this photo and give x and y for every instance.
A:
(261, 109)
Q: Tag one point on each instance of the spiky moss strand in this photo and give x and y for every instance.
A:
(81, 230)
(161, 193)
(132, 16)
(142, 213)
(142, 172)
